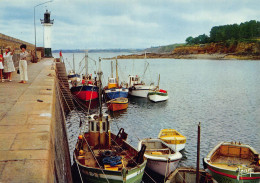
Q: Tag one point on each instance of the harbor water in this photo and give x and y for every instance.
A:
(223, 95)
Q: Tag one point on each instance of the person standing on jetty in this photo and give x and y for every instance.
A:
(8, 62)
(23, 64)
(1, 67)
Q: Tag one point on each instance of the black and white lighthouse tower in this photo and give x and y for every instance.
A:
(47, 23)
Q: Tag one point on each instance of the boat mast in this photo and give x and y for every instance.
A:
(158, 82)
(117, 81)
(74, 64)
(86, 62)
(100, 89)
(111, 69)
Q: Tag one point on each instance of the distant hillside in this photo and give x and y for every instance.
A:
(163, 49)
(98, 50)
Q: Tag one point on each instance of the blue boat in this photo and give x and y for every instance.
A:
(113, 93)
(113, 90)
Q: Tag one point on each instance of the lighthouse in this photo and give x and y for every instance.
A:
(47, 23)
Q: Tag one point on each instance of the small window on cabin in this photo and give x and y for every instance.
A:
(92, 126)
(98, 127)
(108, 127)
(133, 79)
(104, 126)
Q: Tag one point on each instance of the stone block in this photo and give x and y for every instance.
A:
(6, 141)
(23, 155)
(29, 141)
(25, 171)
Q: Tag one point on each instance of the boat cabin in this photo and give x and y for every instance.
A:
(98, 129)
(135, 80)
(112, 83)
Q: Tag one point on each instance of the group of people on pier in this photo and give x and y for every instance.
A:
(7, 64)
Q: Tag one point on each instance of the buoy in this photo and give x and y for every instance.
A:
(80, 137)
(81, 152)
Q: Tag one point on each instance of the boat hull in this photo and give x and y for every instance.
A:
(117, 107)
(222, 175)
(140, 90)
(85, 93)
(176, 147)
(157, 97)
(117, 104)
(96, 175)
(163, 168)
(116, 93)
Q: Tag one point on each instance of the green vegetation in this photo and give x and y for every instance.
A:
(163, 49)
(245, 32)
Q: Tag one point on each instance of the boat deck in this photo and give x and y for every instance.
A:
(231, 163)
(90, 161)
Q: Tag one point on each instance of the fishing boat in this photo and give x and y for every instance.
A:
(233, 162)
(113, 90)
(158, 95)
(138, 88)
(73, 77)
(87, 90)
(117, 104)
(102, 156)
(173, 138)
(160, 157)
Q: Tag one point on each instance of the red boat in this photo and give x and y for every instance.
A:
(117, 104)
(85, 92)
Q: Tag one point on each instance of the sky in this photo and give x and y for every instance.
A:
(104, 24)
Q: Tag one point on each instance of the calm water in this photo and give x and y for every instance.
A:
(223, 95)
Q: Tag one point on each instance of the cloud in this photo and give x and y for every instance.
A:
(122, 24)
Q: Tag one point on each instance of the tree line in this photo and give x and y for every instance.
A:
(235, 33)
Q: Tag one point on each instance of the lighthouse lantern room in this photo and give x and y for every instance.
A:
(47, 23)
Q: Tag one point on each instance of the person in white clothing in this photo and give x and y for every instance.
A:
(23, 64)
(1, 67)
(8, 62)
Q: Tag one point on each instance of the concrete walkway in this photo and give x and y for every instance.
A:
(25, 125)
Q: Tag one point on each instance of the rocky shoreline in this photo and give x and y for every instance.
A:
(214, 56)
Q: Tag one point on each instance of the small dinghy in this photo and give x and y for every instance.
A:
(233, 162)
(173, 138)
(158, 95)
(117, 104)
(160, 157)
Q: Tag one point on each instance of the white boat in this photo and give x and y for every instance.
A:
(138, 88)
(158, 95)
(160, 157)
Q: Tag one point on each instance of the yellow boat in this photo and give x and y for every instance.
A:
(173, 138)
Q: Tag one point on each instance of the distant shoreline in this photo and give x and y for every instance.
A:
(215, 56)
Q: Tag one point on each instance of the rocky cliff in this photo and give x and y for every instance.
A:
(251, 50)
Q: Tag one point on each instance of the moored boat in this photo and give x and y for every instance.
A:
(160, 157)
(158, 95)
(113, 90)
(173, 138)
(138, 88)
(85, 92)
(117, 104)
(186, 174)
(233, 162)
(102, 156)
(87, 89)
